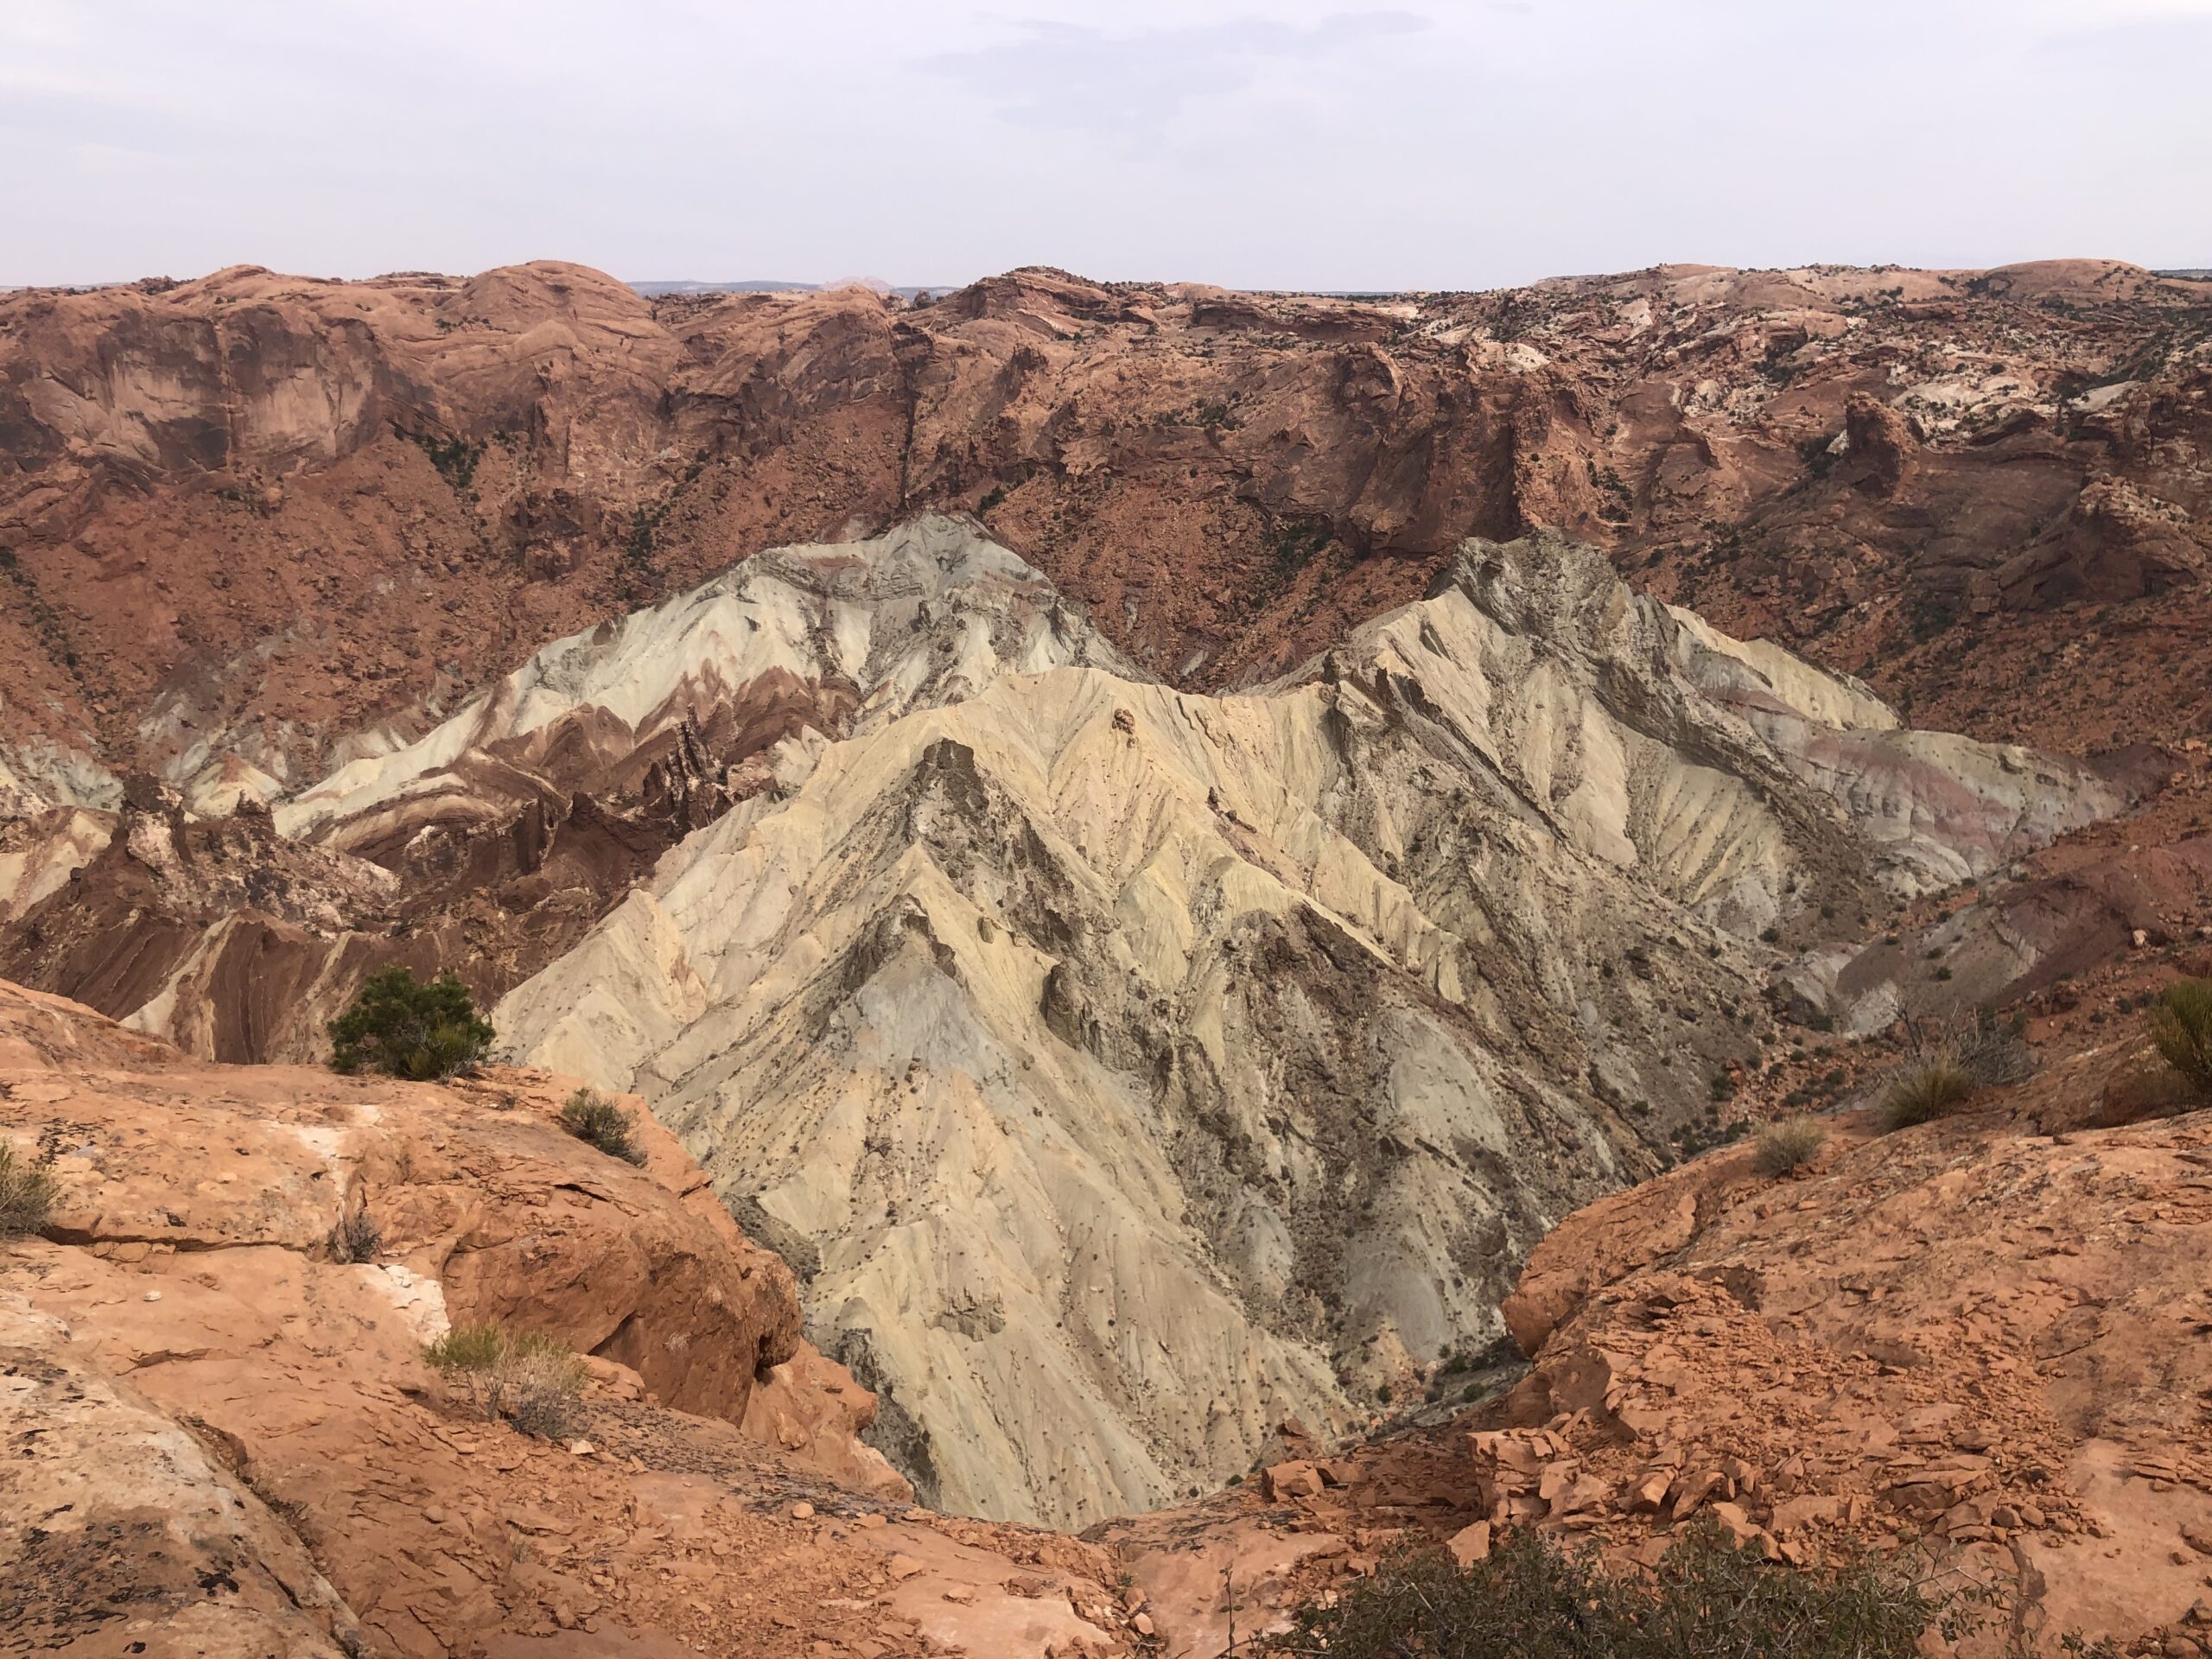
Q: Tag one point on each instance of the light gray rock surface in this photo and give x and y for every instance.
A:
(1125, 1070)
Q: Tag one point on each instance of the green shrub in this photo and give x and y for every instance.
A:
(591, 1117)
(1533, 1599)
(27, 1193)
(466, 1348)
(1924, 1091)
(454, 458)
(410, 1029)
(2180, 1023)
(533, 1382)
(1788, 1146)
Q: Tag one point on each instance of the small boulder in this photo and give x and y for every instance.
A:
(1693, 1490)
(1470, 1544)
(1794, 1514)
(1649, 1494)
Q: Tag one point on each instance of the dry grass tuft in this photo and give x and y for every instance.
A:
(1785, 1147)
(598, 1122)
(1924, 1091)
(28, 1193)
(533, 1382)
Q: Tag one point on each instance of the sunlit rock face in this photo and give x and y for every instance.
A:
(1124, 1069)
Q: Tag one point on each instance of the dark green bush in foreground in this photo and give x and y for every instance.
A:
(410, 1029)
(1533, 1599)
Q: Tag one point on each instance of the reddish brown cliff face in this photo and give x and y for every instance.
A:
(255, 512)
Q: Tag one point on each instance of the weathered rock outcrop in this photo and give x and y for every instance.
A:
(820, 639)
(247, 517)
(1978, 1332)
(137, 1522)
(1971, 1346)
(1124, 1068)
(483, 1208)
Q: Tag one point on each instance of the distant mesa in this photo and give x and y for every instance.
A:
(653, 290)
(658, 289)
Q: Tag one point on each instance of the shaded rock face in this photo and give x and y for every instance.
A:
(248, 517)
(147, 1520)
(1124, 1068)
(2062, 912)
(1881, 445)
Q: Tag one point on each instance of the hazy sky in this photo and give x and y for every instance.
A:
(1265, 144)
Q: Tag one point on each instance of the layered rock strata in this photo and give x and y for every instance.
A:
(1124, 1069)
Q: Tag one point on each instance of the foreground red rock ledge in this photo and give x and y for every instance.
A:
(221, 1439)
(1986, 1334)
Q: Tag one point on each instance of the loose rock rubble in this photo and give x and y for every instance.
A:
(1970, 1336)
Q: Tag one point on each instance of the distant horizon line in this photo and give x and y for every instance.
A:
(657, 288)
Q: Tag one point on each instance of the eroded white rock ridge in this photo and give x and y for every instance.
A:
(844, 635)
(1125, 1069)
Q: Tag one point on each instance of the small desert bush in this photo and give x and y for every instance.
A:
(1992, 1052)
(468, 1348)
(2180, 1024)
(1536, 1599)
(1925, 1090)
(1946, 1060)
(1788, 1146)
(399, 1025)
(27, 1193)
(356, 1237)
(533, 1382)
(597, 1121)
